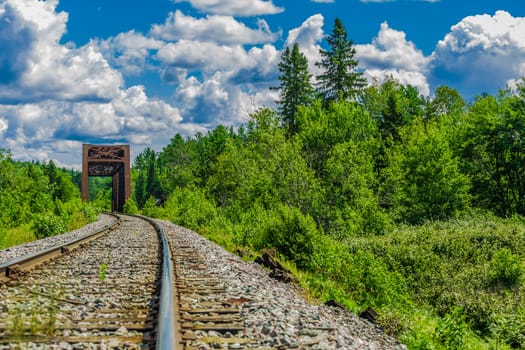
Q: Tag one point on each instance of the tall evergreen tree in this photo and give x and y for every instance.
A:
(295, 89)
(341, 80)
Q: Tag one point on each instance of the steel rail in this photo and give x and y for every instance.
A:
(166, 319)
(10, 267)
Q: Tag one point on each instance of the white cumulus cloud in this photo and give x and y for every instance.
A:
(38, 67)
(235, 7)
(54, 96)
(391, 55)
(482, 52)
(130, 51)
(219, 29)
(308, 36)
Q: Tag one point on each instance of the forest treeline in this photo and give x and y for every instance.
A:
(376, 195)
(38, 200)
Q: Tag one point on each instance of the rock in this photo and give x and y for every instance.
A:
(369, 314)
(334, 303)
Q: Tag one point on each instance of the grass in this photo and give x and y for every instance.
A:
(15, 236)
(460, 278)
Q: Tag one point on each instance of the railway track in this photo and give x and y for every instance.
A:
(154, 285)
(105, 294)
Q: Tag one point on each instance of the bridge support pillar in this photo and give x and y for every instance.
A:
(106, 160)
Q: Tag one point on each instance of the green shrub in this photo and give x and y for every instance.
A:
(151, 209)
(251, 227)
(292, 234)
(130, 207)
(451, 330)
(505, 269)
(46, 225)
(510, 329)
(189, 207)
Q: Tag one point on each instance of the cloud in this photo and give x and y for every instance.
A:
(212, 102)
(129, 51)
(482, 52)
(15, 41)
(242, 8)
(132, 117)
(37, 67)
(218, 29)
(54, 97)
(308, 36)
(3, 126)
(324, 1)
(391, 55)
(205, 56)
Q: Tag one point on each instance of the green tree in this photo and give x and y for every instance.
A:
(350, 186)
(493, 152)
(321, 129)
(295, 88)
(340, 80)
(423, 180)
(446, 101)
(147, 184)
(392, 105)
(179, 163)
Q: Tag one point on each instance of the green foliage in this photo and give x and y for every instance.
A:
(505, 269)
(355, 204)
(510, 329)
(340, 80)
(449, 265)
(451, 330)
(392, 106)
(493, 153)
(147, 184)
(292, 234)
(190, 208)
(446, 101)
(38, 200)
(423, 180)
(179, 161)
(295, 88)
(14, 236)
(131, 207)
(363, 276)
(151, 208)
(46, 225)
(321, 129)
(382, 201)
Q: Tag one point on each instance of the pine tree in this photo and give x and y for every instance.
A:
(295, 89)
(341, 80)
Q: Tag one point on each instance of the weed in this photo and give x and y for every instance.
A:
(18, 320)
(102, 272)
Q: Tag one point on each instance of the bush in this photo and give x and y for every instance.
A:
(151, 209)
(510, 329)
(451, 330)
(190, 208)
(250, 231)
(46, 225)
(505, 269)
(130, 207)
(292, 234)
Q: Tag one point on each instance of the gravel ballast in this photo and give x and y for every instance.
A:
(48, 242)
(273, 312)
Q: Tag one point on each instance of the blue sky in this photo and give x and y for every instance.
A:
(115, 71)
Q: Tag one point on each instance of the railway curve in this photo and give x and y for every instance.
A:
(107, 296)
(104, 294)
